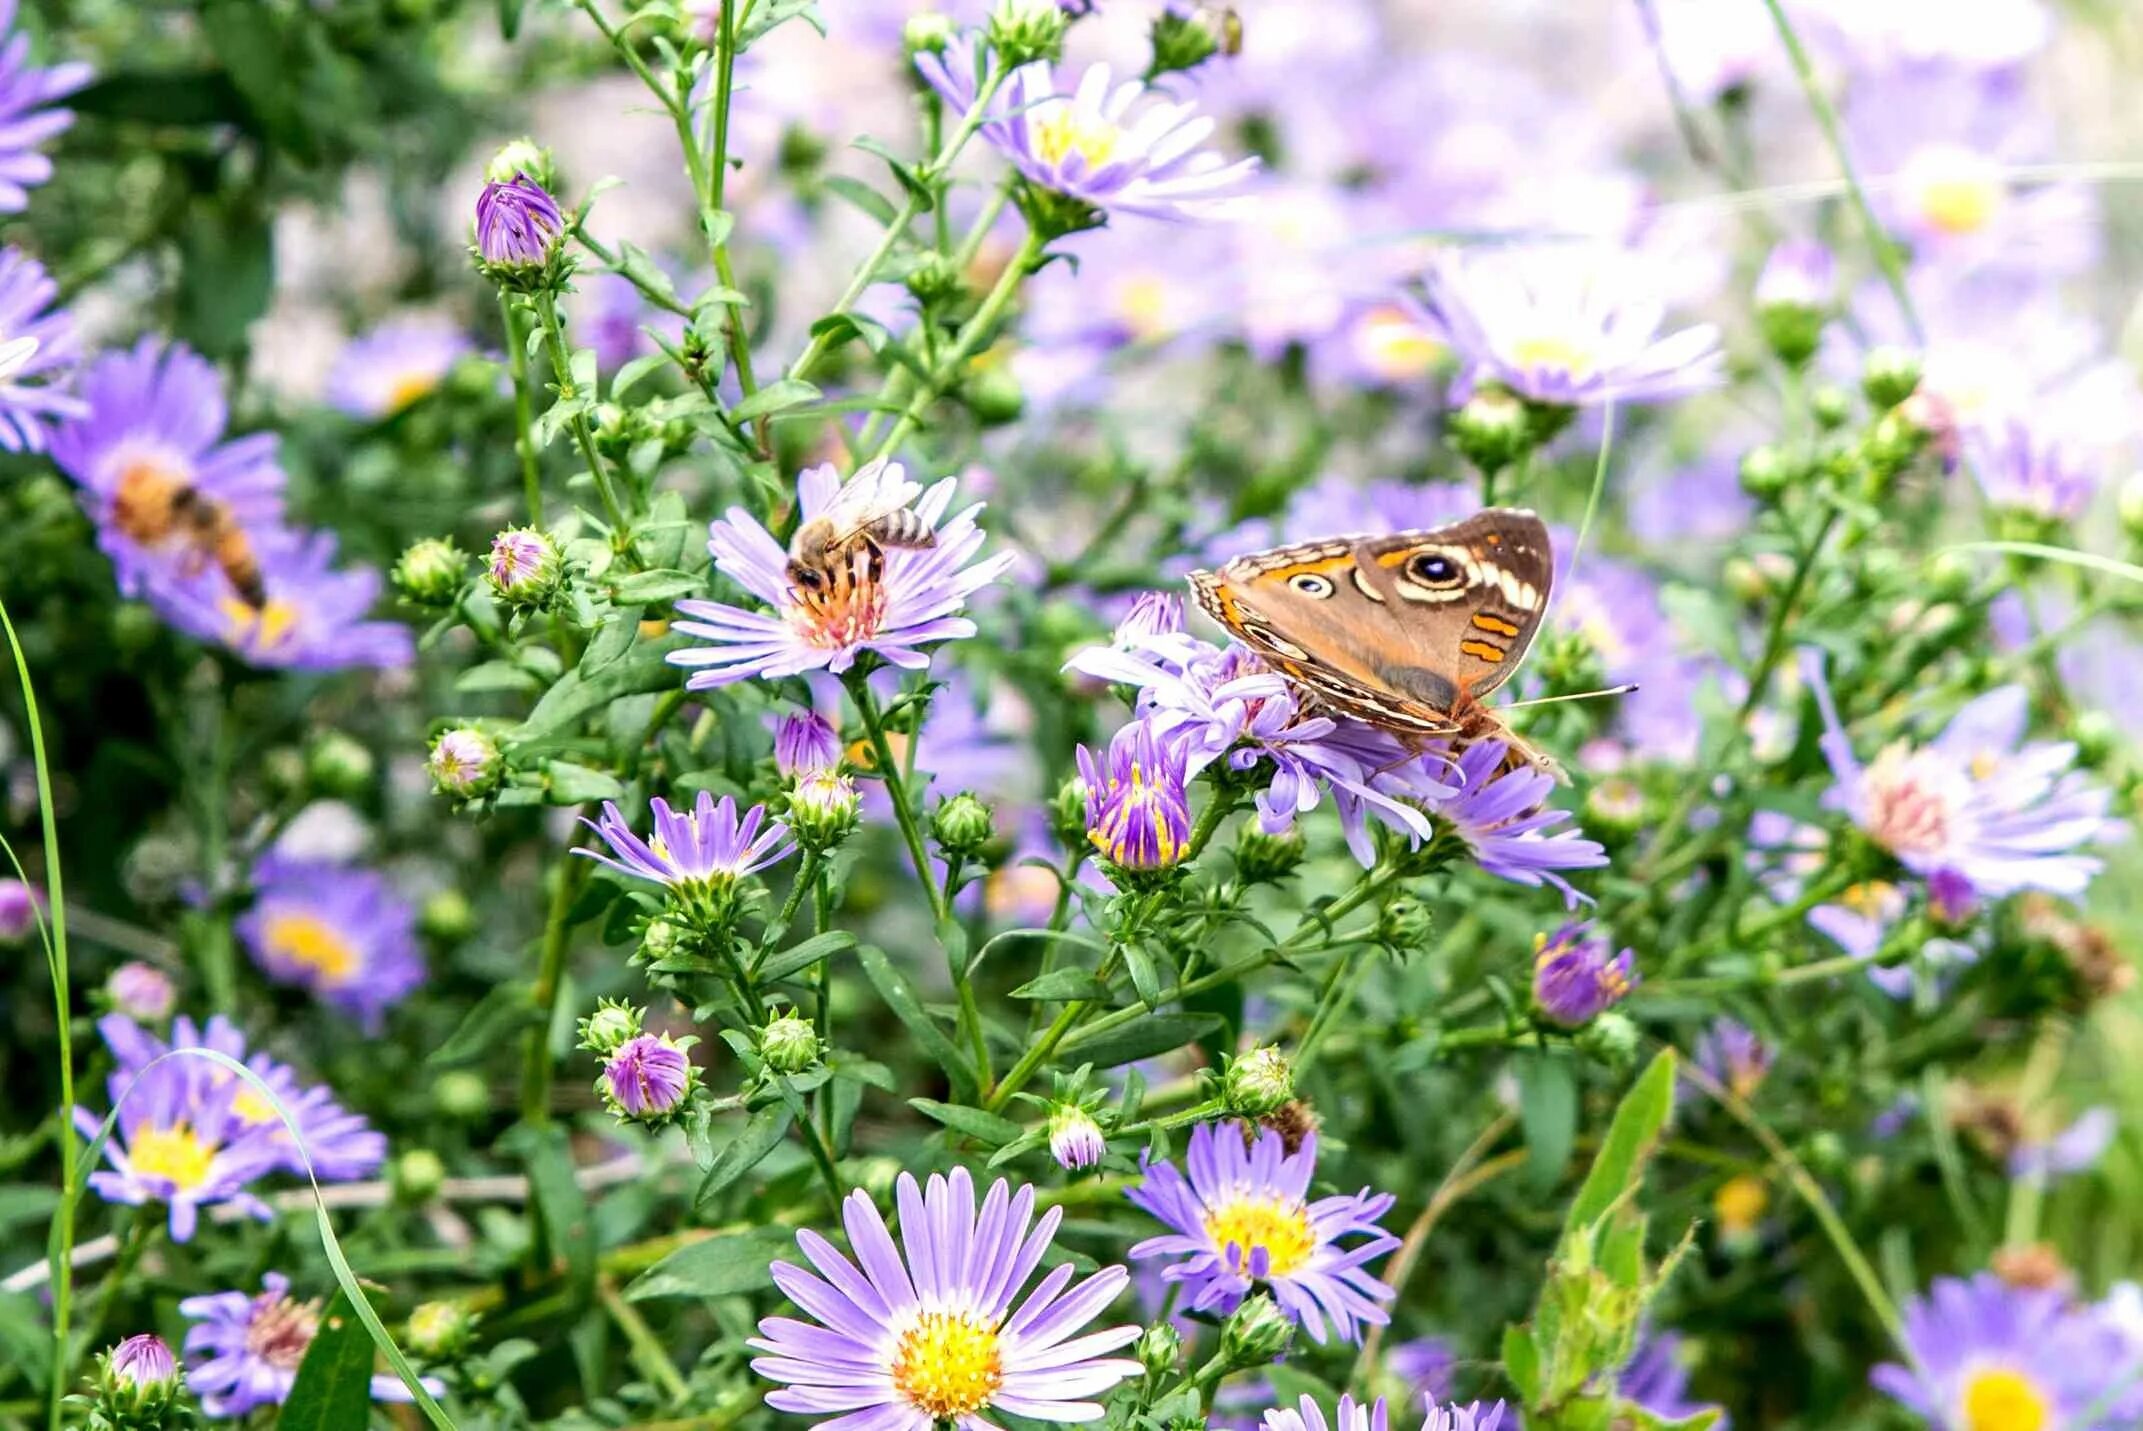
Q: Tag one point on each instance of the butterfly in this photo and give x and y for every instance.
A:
(1407, 632)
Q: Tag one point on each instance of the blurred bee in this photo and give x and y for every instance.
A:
(823, 566)
(160, 510)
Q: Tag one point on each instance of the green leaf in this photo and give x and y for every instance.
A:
(1547, 1107)
(900, 997)
(561, 1203)
(251, 42)
(171, 98)
(864, 197)
(578, 694)
(1145, 978)
(510, 17)
(654, 588)
(985, 1128)
(759, 1136)
(838, 328)
(793, 961)
(728, 1264)
(777, 12)
(628, 377)
(570, 784)
(1062, 985)
(504, 1010)
(1629, 1142)
(774, 397)
(333, 1389)
(495, 676)
(905, 172)
(1521, 1362)
(229, 275)
(1146, 1037)
(1638, 1418)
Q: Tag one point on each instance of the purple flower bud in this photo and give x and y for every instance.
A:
(647, 1077)
(143, 1360)
(518, 224)
(805, 741)
(1137, 811)
(142, 992)
(464, 762)
(18, 911)
(1577, 977)
(1951, 898)
(524, 567)
(1075, 1139)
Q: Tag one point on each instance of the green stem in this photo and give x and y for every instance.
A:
(1886, 255)
(550, 974)
(715, 175)
(1338, 992)
(140, 1232)
(554, 339)
(1209, 819)
(648, 1352)
(966, 345)
(524, 442)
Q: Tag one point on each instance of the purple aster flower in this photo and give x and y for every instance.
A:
(179, 1139)
(805, 741)
(1425, 1365)
(518, 223)
(396, 364)
(153, 430)
(1979, 800)
(1800, 273)
(1349, 1415)
(1473, 1416)
(1212, 704)
(1242, 1218)
(1138, 814)
(1577, 975)
(2075, 1149)
(1075, 1139)
(1154, 613)
(1504, 821)
(611, 316)
(26, 120)
(1572, 326)
(142, 992)
(647, 1077)
(1097, 144)
(340, 1145)
(313, 618)
(38, 353)
(926, 1331)
(1656, 1377)
(1618, 609)
(19, 906)
(913, 602)
(1734, 1057)
(2025, 469)
(524, 565)
(245, 1348)
(340, 931)
(703, 852)
(1985, 1354)
(142, 1360)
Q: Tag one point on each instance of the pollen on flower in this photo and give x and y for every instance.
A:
(1555, 352)
(409, 388)
(1072, 130)
(949, 1364)
(268, 626)
(309, 941)
(1908, 810)
(1396, 346)
(849, 613)
(1998, 1398)
(177, 1153)
(282, 1329)
(1740, 1204)
(142, 500)
(1262, 1237)
(1957, 191)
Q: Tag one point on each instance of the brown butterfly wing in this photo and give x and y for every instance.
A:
(1399, 630)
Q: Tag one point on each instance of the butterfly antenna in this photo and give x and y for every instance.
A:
(1621, 690)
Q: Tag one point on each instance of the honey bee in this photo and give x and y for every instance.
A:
(161, 510)
(823, 566)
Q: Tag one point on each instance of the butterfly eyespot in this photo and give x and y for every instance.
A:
(1434, 569)
(1310, 583)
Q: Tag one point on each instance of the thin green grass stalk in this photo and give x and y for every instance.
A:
(1599, 481)
(2088, 561)
(345, 1278)
(60, 1246)
(1885, 252)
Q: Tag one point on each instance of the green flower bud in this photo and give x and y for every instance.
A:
(1889, 376)
(522, 156)
(1404, 924)
(440, 1331)
(138, 1386)
(1067, 813)
(935, 279)
(1255, 1333)
(927, 33)
(1493, 430)
(613, 1022)
(1766, 473)
(430, 572)
(338, 766)
(1831, 406)
(464, 763)
(134, 627)
(1184, 40)
(447, 917)
(1892, 446)
(824, 809)
(789, 1044)
(2096, 735)
(1261, 858)
(461, 1094)
(993, 395)
(1611, 1038)
(1615, 805)
(1947, 576)
(661, 940)
(1257, 1082)
(418, 1175)
(962, 825)
(1159, 1349)
(1022, 31)
(525, 570)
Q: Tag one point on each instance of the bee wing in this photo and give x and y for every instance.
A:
(867, 497)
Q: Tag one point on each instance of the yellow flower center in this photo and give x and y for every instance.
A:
(1740, 1203)
(310, 941)
(265, 628)
(250, 1108)
(1071, 130)
(1395, 346)
(1553, 351)
(1872, 899)
(1999, 1399)
(1142, 304)
(948, 1364)
(176, 1152)
(408, 388)
(1956, 191)
(1244, 1227)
